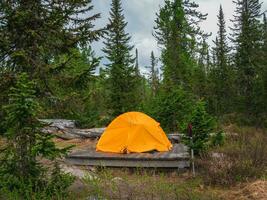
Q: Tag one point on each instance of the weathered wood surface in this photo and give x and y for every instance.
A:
(178, 157)
(66, 129)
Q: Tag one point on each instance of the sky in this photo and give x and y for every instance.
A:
(140, 15)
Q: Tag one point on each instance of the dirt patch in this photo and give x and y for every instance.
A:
(79, 144)
(251, 191)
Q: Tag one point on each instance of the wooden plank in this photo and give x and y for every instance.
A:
(143, 156)
(178, 157)
(181, 164)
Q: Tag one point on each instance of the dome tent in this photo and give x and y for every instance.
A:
(133, 132)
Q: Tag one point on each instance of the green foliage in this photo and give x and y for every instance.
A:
(122, 82)
(241, 158)
(51, 188)
(154, 79)
(247, 39)
(217, 139)
(149, 184)
(176, 31)
(171, 108)
(221, 76)
(20, 169)
(43, 30)
(202, 127)
(83, 97)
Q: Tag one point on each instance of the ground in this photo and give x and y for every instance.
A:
(107, 183)
(139, 184)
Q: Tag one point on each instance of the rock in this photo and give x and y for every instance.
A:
(75, 171)
(117, 179)
(217, 155)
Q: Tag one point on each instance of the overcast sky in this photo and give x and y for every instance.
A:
(140, 15)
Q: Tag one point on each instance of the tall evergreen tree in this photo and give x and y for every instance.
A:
(264, 62)
(153, 74)
(32, 33)
(247, 38)
(25, 144)
(199, 76)
(222, 74)
(121, 81)
(175, 31)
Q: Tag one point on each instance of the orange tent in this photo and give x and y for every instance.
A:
(133, 132)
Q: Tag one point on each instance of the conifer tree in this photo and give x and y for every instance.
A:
(199, 76)
(222, 74)
(265, 55)
(121, 70)
(26, 144)
(247, 39)
(175, 31)
(32, 33)
(153, 75)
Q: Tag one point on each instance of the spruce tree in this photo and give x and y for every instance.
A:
(264, 61)
(222, 74)
(25, 143)
(199, 76)
(175, 31)
(32, 33)
(121, 70)
(247, 38)
(153, 75)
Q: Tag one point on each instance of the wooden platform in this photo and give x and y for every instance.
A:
(176, 158)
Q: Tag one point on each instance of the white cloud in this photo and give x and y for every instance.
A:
(140, 15)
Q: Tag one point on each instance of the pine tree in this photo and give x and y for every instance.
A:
(264, 49)
(122, 76)
(246, 37)
(153, 75)
(32, 33)
(263, 65)
(199, 76)
(25, 144)
(222, 74)
(175, 31)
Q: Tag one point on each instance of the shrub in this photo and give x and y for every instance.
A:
(170, 108)
(242, 157)
(21, 174)
(202, 126)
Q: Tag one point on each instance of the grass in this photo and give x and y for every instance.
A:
(216, 179)
(239, 174)
(145, 184)
(242, 158)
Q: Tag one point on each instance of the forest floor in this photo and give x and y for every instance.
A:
(151, 184)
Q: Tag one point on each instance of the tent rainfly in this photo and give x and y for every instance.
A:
(133, 132)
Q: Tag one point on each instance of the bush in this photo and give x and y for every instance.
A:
(242, 157)
(202, 126)
(46, 187)
(170, 108)
(22, 176)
